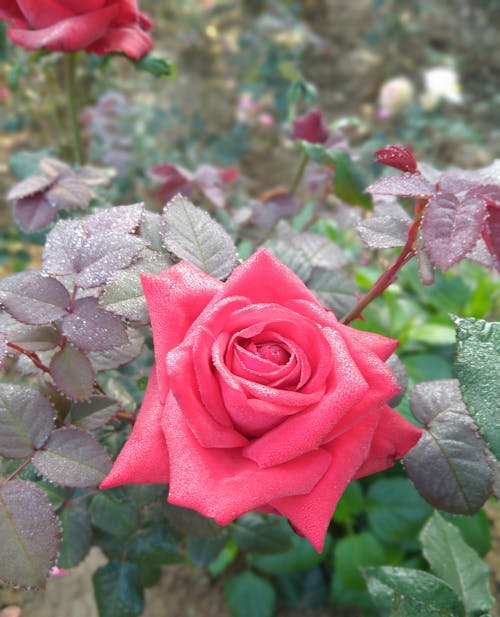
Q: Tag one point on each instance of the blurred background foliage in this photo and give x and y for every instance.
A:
(239, 67)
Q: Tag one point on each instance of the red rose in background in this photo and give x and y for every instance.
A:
(311, 127)
(260, 399)
(96, 26)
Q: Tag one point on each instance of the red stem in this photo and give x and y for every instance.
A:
(31, 355)
(389, 276)
(16, 471)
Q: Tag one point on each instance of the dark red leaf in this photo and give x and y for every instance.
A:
(452, 227)
(72, 373)
(397, 157)
(491, 233)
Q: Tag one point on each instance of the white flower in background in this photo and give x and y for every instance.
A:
(395, 95)
(441, 83)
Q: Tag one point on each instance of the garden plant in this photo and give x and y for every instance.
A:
(215, 379)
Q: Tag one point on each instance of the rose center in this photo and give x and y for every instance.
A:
(272, 352)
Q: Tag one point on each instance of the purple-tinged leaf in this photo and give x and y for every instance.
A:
(54, 167)
(480, 253)
(491, 234)
(69, 193)
(292, 257)
(72, 373)
(30, 535)
(91, 328)
(107, 360)
(3, 349)
(29, 186)
(320, 251)
(382, 232)
(399, 370)
(191, 234)
(449, 465)
(34, 212)
(124, 295)
(93, 176)
(32, 298)
(276, 205)
(120, 219)
(451, 227)
(26, 420)
(405, 185)
(72, 457)
(428, 399)
(426, 269)
(92, 257)
(94, 413)
(34, 338)
(334, 289)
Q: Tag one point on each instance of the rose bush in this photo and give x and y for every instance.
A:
(260, 399)
(96, 26)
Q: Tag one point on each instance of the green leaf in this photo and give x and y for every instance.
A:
(401, 592)
(153, 545)
(76, 535)
(203, 551)
(302, 556)
(73, 457)
(301, 590)
(351, 503)
(29, 531)
(475, 530)
(352, 552)
(118, 590)
(451, 558)
(116, 517)
(26, 420)
(348, 183)
(249, 595)
(24, 163)
(396, 512)
(191, 522)
(252, 534)
(192, 234)
(156, 66)
(476, 364)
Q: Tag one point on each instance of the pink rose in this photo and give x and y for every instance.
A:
(260, 399)
(96, 26)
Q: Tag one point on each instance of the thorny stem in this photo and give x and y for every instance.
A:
(31, 355)
(72, 103)
(16, 471)
(390, 275)
(299, 173)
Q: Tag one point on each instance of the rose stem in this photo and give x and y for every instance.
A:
(16, 471)
(299, 173)
(389, 276)
(72, 103)
(31, 355)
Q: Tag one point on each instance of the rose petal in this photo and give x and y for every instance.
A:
(308, 430)
(43, 14)
(209, 433)
(310, 514)
(131, 40)
(278, 286)
(221, 483)
(175, 299)
(394, 437)
(144, 458)
(376, 343)
(69, 34)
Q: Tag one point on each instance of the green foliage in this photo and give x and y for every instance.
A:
(119, 590)
(249, 595)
